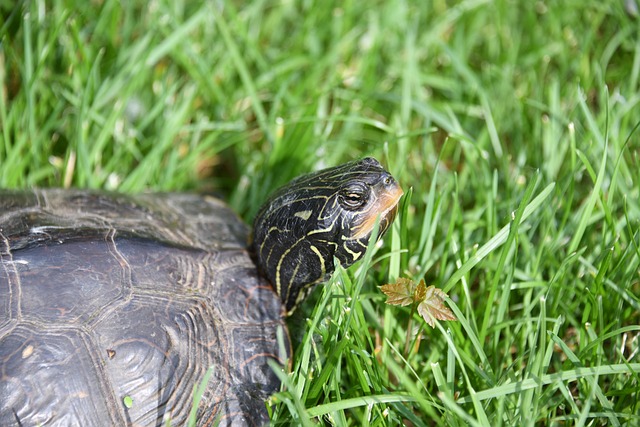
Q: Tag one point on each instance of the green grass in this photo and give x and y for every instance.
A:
(511, 126)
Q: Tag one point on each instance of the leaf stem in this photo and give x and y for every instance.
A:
(409, 326)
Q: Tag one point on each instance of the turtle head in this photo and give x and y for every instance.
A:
(316, 217)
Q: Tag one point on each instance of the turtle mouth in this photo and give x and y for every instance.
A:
(385, 206)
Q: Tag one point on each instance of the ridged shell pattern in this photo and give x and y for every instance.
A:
(112, 308)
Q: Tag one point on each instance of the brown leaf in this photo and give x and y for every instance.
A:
(430, 299)
(432, 307)
(421, 292)
(400, 293)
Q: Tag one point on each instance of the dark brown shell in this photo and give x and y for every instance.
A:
(110, 301)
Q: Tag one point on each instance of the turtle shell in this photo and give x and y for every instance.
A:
(113, 307)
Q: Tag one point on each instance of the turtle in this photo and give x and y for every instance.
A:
(115, 307)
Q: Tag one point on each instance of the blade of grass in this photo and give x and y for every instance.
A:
(496, 240)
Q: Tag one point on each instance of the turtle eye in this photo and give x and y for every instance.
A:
(353, 197)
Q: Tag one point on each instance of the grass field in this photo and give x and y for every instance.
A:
(512, 127)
